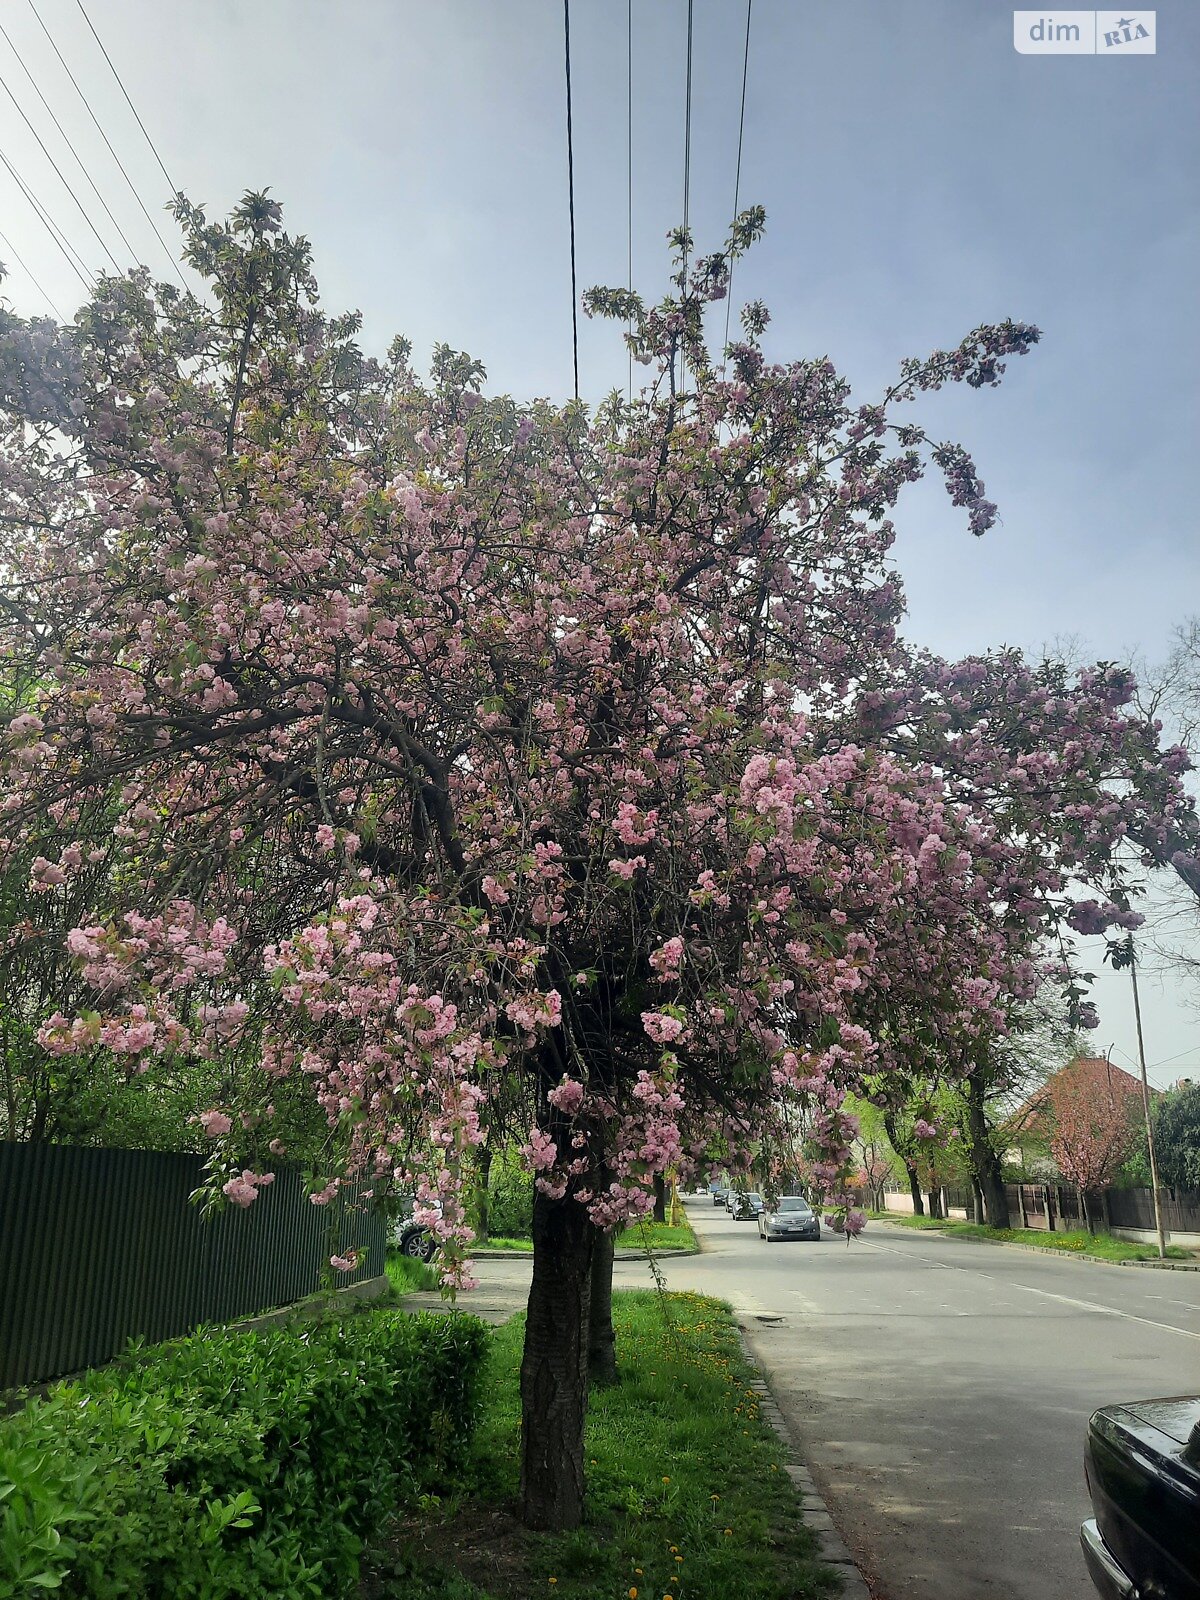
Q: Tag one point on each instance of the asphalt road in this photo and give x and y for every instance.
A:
(939, 1389)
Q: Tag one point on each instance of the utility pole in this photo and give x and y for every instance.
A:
(1137, 1012)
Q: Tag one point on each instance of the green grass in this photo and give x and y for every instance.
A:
(405, 1273)
(1102, 1246)
(679, 1465)
(658, 1235)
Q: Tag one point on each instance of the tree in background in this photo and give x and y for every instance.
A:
(875, 1158)
(1176, 1118)
(1094, 1110)
(460, 754)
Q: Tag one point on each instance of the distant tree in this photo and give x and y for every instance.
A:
(1177, 1136)
(1095, 1127)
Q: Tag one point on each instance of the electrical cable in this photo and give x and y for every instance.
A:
(74, 260)
(1166, 1062)
(687, 178)
(61, 177)
(66, 138)
(162, 167)
(571, 194)
(16, 255)
(108, 143)
(629, 162)
(737, 182)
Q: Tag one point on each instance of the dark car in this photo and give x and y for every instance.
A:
(414, 1239)
(1143, 1472)
(791, 1218)
(746, 1207)
(718, 1192)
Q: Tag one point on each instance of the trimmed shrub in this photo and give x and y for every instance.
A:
(235, 1464)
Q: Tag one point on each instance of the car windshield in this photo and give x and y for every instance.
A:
(793, 1202)
(753, 1196)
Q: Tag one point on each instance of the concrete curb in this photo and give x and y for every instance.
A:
(1043, 1249)
(672, 1251)
(1160, 1266)
(815, 1514)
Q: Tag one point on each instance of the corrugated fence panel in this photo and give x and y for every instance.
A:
(98, 1247)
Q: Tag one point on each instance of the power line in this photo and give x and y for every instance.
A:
(629, 163)
(571, 194)
(170, 185)
(737, 182)
(16, 255)
(687, 178)
(61, 178)
(74, 260)
(67, 141)
(108, 143)
(1166, 1062)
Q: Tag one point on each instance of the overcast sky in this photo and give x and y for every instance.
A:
(919, 177)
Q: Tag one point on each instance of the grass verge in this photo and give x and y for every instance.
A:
(687, 1494)
(406, 1274)
(1096, 1246)
(658, 1235)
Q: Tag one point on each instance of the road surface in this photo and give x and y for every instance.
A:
(939, 1388)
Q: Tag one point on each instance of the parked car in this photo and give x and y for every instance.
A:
(719, 1191)
(1142, 1463)
(747, 1206)
(791, 1218)
(414, 1239)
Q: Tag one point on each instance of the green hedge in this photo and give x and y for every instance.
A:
(234, 1464)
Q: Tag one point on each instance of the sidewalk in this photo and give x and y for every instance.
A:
(1039, 1249)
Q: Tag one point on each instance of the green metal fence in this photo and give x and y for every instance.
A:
(101, 1246)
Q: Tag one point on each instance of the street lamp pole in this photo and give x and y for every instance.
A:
(1137, 1012)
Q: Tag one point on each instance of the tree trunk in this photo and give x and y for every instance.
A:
(935, 1201)
(985, 1163)
(602, 1344)
(481, 1194)
(660, 1198)
(977, 1196)
(914, 1183)
(1087, 1210)
(554, 1366)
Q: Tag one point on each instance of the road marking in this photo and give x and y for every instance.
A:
(1046, 1294)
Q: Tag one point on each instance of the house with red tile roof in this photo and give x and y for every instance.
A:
(1030, 1128)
